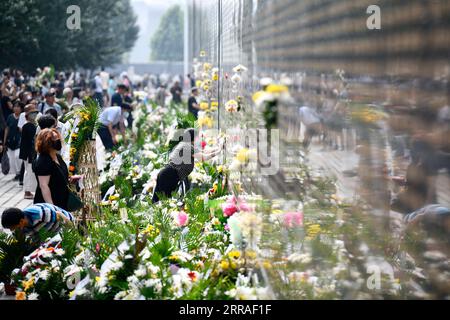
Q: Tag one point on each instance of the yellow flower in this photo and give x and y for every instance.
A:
(224, 265)
(28, 284)
(205, 121)
(113, 197)
(231, 106)
(72, 293)
(173, 258)
(202, 53)
(199, 83)
(207, 66)
(151, 231)
(243, 155)
(234, 254)
(214, 105)
(312, 231)
(21, 295)
(258, 95)
(276, 88)
(267, 265)
(215, 77)
(97, 279)
(251, 254)
(277, 211)
(204, 105)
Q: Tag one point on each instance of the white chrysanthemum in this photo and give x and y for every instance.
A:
(141, 271)
(44, 274)
(245, 293)
(33, 296)
(117, 265)
(302, 258)
(55, 263)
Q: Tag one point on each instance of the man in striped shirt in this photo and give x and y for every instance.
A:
(35, 217)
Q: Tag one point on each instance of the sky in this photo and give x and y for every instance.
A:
(149, 13)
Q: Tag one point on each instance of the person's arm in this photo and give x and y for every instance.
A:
(111, 132)
(196, 106)
(122, 130)
(45, 189)
(203, 156)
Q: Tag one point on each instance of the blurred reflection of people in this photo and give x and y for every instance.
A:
(312, 123)
(429, 146)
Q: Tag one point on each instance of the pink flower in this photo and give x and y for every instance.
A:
(181, 218)
(243, 206)
(227, 227)
(229, 209)
(232, 200)
(293, 219)
(203, 144)
(97, 248)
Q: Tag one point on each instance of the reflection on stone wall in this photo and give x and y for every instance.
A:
(402, 67)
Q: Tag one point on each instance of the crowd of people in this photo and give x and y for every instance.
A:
(34, 131)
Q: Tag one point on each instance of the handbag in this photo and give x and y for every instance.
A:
(5, 163)
(74, 202)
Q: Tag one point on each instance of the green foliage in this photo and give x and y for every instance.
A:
(13, 248)
(34, 33)
(167, 42)
(89, 123)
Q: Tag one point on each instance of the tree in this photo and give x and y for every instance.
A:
(33, 33)
(167, 42)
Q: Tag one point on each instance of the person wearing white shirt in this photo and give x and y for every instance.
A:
(312, 123)
(104, 76)
(50, 104)
(98, 95)
(23, 120)
(109, 118)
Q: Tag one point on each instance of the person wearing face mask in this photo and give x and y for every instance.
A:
(27, 153)
(109, 118)
(51, 171)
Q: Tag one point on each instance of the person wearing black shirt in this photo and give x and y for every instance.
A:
(191, 80)
(181, 163)
(12, 139)
(27, 152)
(51, 170)
(117, 97)
(176, 92)
(193, 106)
(7, 105)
